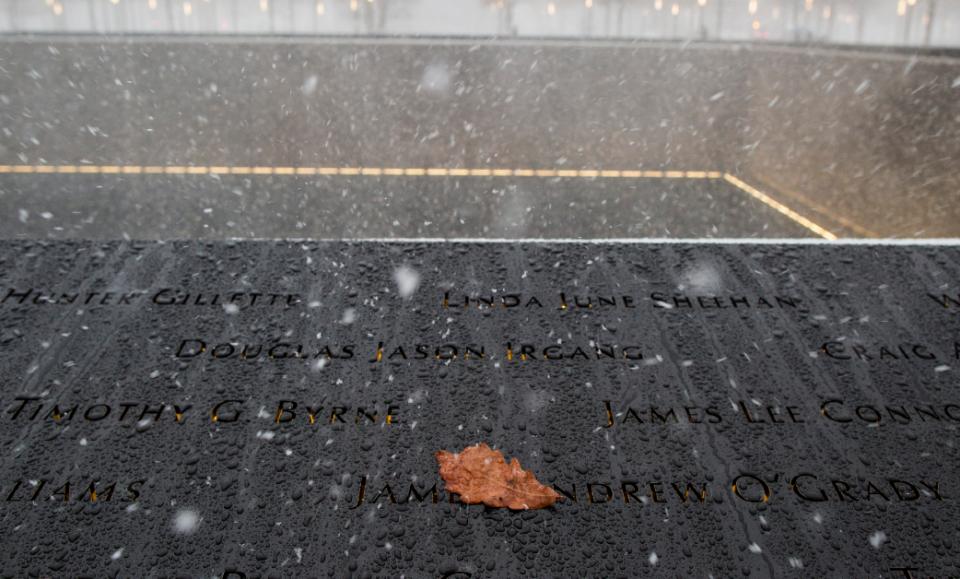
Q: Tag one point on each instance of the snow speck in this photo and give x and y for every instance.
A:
(703, 278)
(349, 316)
(407, 281)
(436, 79)
(117, 554)
(878, 538)
(653, 558)
(186, 521)
(309, 85)
(231, 308)
(755, 548)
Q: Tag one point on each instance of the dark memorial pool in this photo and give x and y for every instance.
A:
(273, 409)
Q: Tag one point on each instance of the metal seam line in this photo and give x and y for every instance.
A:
(773, 203)
(422, 172)
(793, 197)
(351, 171)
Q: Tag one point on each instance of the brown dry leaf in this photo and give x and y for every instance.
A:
(480, 474)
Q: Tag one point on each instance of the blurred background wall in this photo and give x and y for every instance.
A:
(872, 22)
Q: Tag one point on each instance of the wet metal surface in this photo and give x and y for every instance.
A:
(209, 392)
